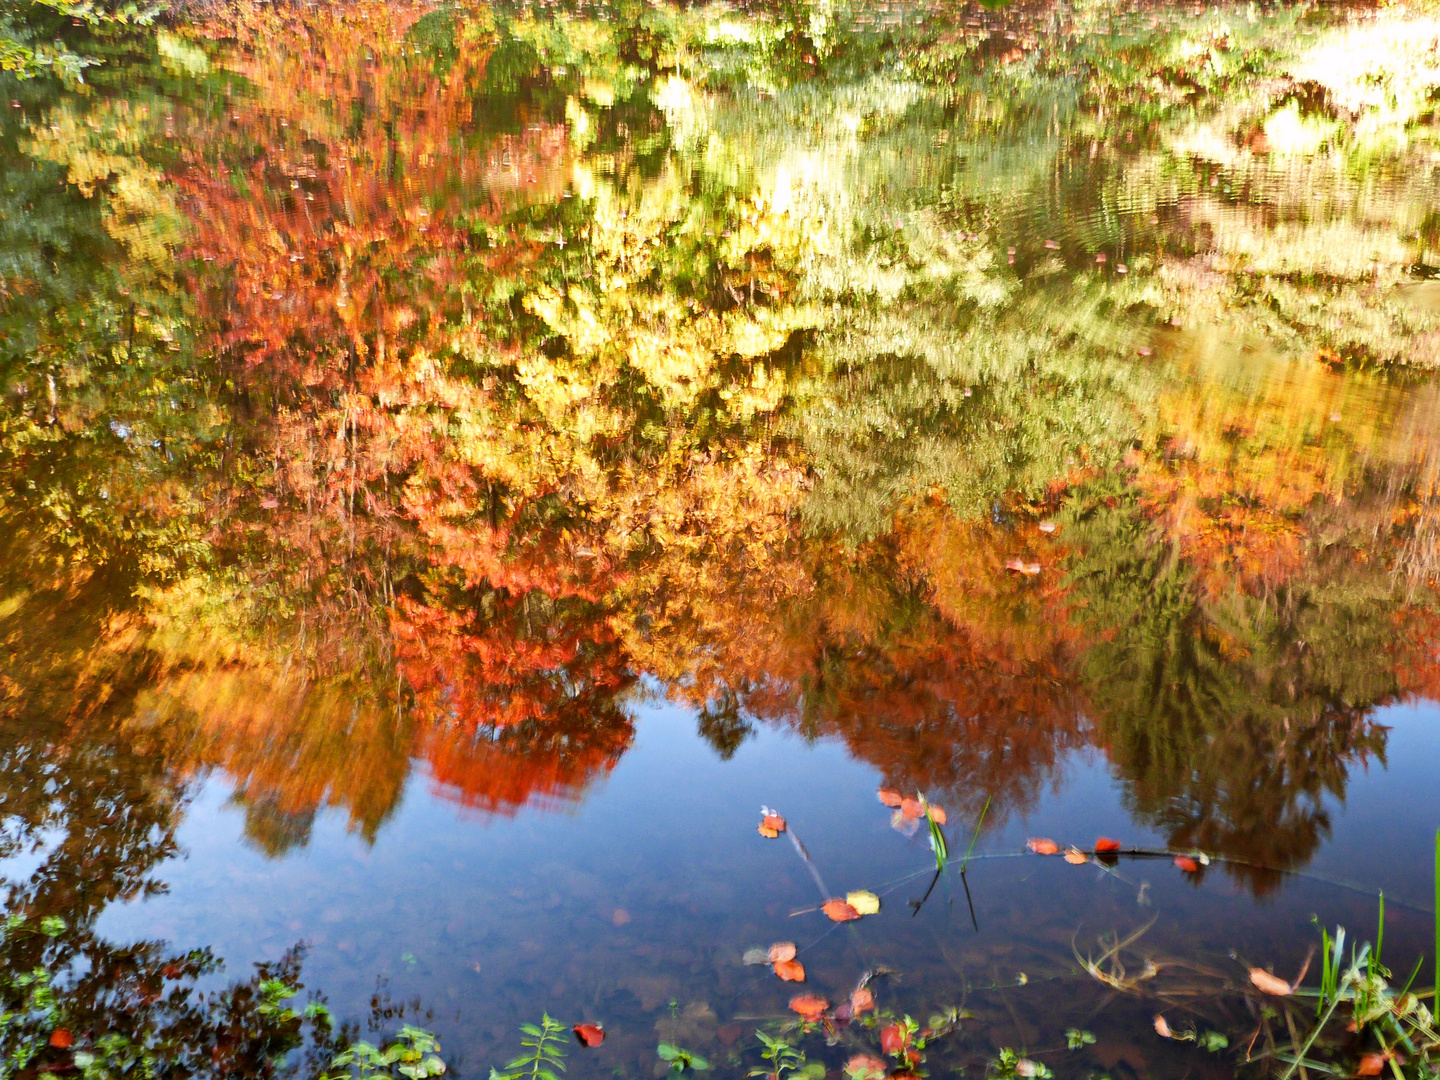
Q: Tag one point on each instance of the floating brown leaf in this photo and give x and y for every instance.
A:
(862, 1000)
(790, 970)
(590, 1034)
(1041, 845)
(1104, 844)
(782, 950)
(839, 911)
(1268, 983)
(889, 798)
(809, 1006)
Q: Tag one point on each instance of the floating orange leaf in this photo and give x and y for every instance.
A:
(790, 970)
(1104, 844)
(865, 1067)
(1370, 1065)
(937, 814)
(61, 1039)
(912, 808)
(862, 1000)
(809, 1006)
(1189, 865)
(1268, 983)
(772, 825)
(590, 1034)
(839, 911)
(889, 798)
(783, 950)
(1075, 857)
(1041, 845)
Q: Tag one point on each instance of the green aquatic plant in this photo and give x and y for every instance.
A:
(784, 1060)
(1008, 1063)
(680, 1060)
(937, 841)
(1076, 1039)
(414, 1054)
(975, 835)
(545, 1044)
(1359, 992)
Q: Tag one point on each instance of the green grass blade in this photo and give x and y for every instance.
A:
(1373, 967)
(985, 809)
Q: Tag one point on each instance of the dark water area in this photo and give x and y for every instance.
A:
(462, 466)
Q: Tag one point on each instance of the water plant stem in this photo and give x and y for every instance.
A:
(984, 809)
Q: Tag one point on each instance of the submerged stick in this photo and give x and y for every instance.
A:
(825, 893)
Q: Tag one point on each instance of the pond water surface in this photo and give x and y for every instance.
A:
(460, 463)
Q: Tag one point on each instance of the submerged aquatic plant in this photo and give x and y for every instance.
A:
(545, 1044)
(784, 1061)
(975, 835)
(414, 1055)
(1008, 1063)
(1401, 1025)
(680, 1060)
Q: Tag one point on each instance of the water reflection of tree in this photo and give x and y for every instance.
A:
(1230, 716)
(489, 451)
(99, 816)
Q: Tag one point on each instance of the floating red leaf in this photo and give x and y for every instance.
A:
(590, 1034)
(1189, 865)
(1104, 844)
(893, 1039)
(790, 970)
(809, 1006)
(839, 911)
(61, 1039)
(865, 1067)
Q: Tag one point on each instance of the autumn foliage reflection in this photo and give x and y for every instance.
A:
(519, 407)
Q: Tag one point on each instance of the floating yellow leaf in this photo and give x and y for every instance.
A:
(863, 901)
